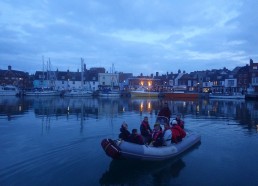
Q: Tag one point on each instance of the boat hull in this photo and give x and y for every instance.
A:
(78, 93)
(175, 95)
(43, 93)
(144, 94)
(110, 94)
(144, 152)
(226, 96)
(9, 90)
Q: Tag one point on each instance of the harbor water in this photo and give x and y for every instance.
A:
(56, 141)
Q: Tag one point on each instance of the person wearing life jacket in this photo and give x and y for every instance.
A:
(177, 132)
(146, 130)
(164, 112)
(167, 134)
(136, 138)
(180, 122)
(157, 136)
(124, 133)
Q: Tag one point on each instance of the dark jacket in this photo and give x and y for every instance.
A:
(145, 129)
(157, 138)
(165, 111)
(125, 134)
(181, 123)
(136, 138)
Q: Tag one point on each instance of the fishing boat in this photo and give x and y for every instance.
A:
(9, 90)
(142, 92)
(83, 90)
(226, 96)
(111, 89)
(110, 93)
(78, 93)
(117, 149)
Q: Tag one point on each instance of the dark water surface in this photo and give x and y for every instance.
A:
(56, 141)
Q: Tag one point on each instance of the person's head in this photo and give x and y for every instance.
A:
(174, 122)
(124, 125)
(156, 126)
(166, 126)
(134, 131)
(145, 119)
(178, 116)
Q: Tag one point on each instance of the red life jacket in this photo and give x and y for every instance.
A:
(146, 125)
(177, 133)
(181, 123)
(136, 138)
(156, 134)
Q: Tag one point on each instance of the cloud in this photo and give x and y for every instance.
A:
(137, 36)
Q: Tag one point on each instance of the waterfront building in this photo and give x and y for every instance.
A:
(223, 80)
(17, 78)
(253, 71)
(108, 81)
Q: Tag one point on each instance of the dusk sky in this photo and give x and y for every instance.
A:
(142, 36)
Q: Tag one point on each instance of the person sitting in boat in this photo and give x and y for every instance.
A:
(124, 133)
(177, 132)
(180, 122)
(164, 112)
(167, 134)
(136, 138)
(157, 136)
(146, 130)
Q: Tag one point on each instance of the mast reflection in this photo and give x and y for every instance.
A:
(245, 112)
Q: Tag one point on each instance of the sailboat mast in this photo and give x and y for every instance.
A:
(43, 70)
(82, 64)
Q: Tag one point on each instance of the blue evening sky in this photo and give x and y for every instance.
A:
(141, 36)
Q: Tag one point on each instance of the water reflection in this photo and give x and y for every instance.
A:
(246, 112)
(11, 107)
(130, 172)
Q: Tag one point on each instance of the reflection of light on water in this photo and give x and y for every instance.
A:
(123, 109)
(184, 104)
(20, 108)
(257, 128)
(198, 108)
(141, 107)
(149, 105)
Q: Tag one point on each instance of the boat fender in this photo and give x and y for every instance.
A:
(111, 148)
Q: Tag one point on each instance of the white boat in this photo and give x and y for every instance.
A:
(110, 94)
(142, 92)
(251, 94)
(227, 96)
(121, 149)
(9, 90)
(42, 92)
(78, 93)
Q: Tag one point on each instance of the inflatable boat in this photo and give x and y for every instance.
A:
(121, 149)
